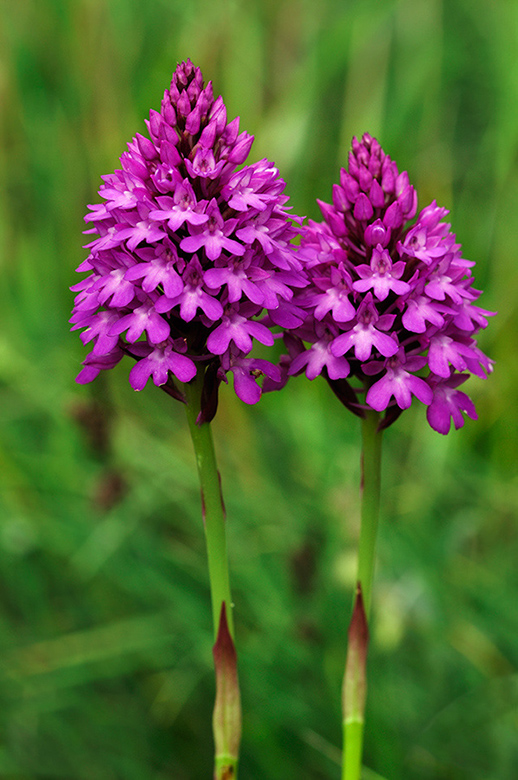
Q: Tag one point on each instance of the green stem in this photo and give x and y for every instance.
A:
(355, 678)
(212, 504)
(227, 709)
(371, 491)
(353, 736)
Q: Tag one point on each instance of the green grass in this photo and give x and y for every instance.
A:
(105, 625)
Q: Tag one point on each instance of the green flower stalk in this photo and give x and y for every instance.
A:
(227, 709)
(212, 503)
(370, 503)
(354, 692)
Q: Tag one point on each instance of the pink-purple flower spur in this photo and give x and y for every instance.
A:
(188, 251)
(390, 307)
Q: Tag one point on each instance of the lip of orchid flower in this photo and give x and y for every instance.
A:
(388, 296)
(188, 252)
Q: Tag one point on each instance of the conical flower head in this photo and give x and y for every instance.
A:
(390, 301)
(189, 250)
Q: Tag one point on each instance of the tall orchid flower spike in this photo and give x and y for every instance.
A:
(186, 244)
(191, 248)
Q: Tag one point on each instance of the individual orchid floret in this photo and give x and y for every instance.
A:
(367, 334)
(334, 297)
(400, 382)
(179, 209)
(189, 253)
(320, 356)
(448, 403)
(391, 299)
(157, 362)
(159, 269)
(381, 276)
(213, 235)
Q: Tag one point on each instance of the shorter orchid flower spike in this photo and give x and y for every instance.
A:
(390, 307)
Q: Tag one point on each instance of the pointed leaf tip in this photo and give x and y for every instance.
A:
(354, 690)
(224, 650)
(227, 709)
(358, 628)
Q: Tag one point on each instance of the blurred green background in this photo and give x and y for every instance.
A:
(105, 625)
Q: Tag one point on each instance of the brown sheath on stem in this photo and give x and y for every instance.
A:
(227, 709)
(354, 691)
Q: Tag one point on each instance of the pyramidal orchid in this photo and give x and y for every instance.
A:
(390, 315)
(190, 248)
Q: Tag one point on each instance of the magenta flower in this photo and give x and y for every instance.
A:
(180, 208)
(391, 300)
(448, 403)
(367, 334)
(189, 252)
(399, 382)
(213, 235)
(381, 275)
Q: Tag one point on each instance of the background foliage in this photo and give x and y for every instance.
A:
(105, 635)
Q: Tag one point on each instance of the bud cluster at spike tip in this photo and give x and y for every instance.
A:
(390, 302)
(189, 250)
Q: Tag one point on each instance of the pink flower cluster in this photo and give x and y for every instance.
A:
(189, 249)
(390, 303)
(193, 259)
